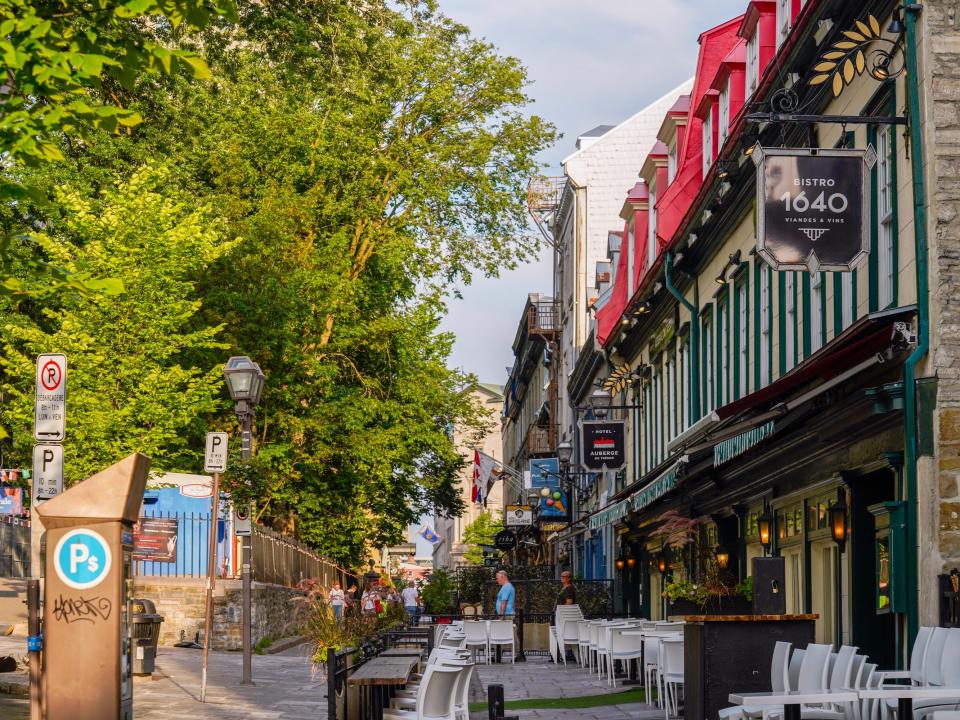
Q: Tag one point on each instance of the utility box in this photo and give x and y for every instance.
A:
(86, 609)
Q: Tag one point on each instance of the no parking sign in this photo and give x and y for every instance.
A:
(82, 559)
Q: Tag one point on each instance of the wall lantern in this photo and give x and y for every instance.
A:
(620, 563)
(723, 558)
(765, 527)
(838, 520)
(600, 401)
(631, 562)
(564, 453)
(662, 564)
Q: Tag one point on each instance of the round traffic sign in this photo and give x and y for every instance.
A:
(82, 559)
(51, 375)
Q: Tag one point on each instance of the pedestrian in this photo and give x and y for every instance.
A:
(506, 596)
(369, 602)
(568, 593)
(337, 600)
(411, 600)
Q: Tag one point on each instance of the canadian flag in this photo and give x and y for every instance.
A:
(475, 490)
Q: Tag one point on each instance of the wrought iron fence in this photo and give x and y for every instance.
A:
(192, 550)
(281, 560)
(536, 588)
(14, 547)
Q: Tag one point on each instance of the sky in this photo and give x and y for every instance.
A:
(591, 62)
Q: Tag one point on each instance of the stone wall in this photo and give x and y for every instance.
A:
(940, 91)
(181, 602)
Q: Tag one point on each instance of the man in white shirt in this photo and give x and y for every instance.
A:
(337, 600)
(411, 600)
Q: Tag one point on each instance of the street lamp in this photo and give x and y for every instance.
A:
(244, 380)
(838, 520)
(765, 528)
(564, 453)
(600, 401)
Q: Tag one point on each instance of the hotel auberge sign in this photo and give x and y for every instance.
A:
(603, 445)
(812, 208)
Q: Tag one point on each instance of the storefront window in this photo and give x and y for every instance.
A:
(883, 574)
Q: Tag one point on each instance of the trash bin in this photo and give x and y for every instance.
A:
(145, 635)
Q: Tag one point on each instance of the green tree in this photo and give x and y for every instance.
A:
(129, 387)
(54, 53)
(480, 532)
(366, 156)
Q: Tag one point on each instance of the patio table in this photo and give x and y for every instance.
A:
(380, 674)
(907, 694)
(793, 699)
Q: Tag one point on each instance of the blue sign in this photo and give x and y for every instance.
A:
(545, 477)
(82, 559)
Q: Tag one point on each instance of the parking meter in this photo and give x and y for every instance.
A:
(86, 609)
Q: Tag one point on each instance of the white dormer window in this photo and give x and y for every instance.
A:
(724, 126)
(707, 142)
(784, 17)
(652, 226)
(672, 161)
(753, 60)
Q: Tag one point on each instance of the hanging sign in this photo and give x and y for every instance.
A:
(603, 445)
(545, 475)
(812, 208)
(505, 540)
(518, 516)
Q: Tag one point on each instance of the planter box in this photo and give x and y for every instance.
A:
(729, 605)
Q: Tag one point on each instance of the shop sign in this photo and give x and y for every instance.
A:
(609, 515)
(518, 516)
(545, 476)
(505, 540)
(553, 526)
(603, 445)
(728, 449)
(655, 489)
(813, 211)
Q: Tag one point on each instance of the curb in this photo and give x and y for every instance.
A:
(285, 644)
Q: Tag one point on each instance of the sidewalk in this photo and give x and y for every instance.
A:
(283, 690)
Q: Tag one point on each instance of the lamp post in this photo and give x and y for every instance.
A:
(244, 380)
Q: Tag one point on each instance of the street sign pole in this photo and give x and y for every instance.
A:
(211, 581)
(214, 461)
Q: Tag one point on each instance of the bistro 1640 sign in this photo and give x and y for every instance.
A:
(603, 445)
(812, 214)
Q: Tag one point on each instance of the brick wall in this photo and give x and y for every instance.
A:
(181, 602)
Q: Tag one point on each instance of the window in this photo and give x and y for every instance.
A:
(707, 141)
(671, 406)
(764, 358)
(652, 227)
(648, 426)
(683, 375)
(753, 60)
(743, 338)
(706, 361)
(723, 352)
(724, 125)
(816, 312)
(672, 161)
(784, 17)
(657, 415)
(885, 233)
(790, 320)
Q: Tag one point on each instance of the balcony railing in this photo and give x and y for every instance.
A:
(543, 319)
(541, 440)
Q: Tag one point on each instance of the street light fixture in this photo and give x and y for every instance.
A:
(244, 380)
(600, 401)
(765, 528)
(564, 453)
(838, 520)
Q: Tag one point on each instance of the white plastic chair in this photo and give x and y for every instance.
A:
(811, 675)
(436, 696)
(475, 636)
(917, 656)
(779, 681)
(949, 675)
(651, 668)
(583, 642)
(500, 632)
(624, 648)
(672, 663)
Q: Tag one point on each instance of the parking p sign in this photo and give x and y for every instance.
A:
(82, 559)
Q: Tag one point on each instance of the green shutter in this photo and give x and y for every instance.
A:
(872, 267)
(805, 310)
(782, 321)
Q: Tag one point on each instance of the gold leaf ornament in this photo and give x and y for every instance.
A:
(861, 62)
(819, 79)
(837, 85)
(824, 67)
(834, 55)
(874, 25)
(847, 71)
(862, 27)
(844, 45)
(854, 35)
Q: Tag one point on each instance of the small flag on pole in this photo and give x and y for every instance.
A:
(427, 533)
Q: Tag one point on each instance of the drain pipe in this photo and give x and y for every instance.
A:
(694, 336)
(913, 11)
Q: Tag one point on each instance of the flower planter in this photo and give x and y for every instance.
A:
(726, 605)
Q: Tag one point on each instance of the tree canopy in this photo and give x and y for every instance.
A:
(361, 158)
(480, 532)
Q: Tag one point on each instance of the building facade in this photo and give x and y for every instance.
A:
(805, 411)
(449, 552)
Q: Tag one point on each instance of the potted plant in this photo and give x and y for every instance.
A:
(714, 591)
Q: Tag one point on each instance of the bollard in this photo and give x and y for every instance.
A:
(496, 704)
(521, 655)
